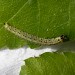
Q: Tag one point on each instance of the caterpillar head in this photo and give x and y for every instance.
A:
(64, 38)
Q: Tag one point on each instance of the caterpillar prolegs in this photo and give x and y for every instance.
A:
(35, 39)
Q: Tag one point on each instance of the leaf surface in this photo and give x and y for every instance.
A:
(42, 18)
(50, 64)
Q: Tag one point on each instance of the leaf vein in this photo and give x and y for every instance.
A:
(18, 11)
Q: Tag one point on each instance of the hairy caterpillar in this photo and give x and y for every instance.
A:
(35, 39)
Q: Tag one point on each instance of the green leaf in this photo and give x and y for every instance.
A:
(42, 18)
(50, 64)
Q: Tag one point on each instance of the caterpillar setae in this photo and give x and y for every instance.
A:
(35, 39)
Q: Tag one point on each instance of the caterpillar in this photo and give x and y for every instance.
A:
(35, 39)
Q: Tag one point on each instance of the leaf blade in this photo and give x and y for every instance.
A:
(50, 64)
